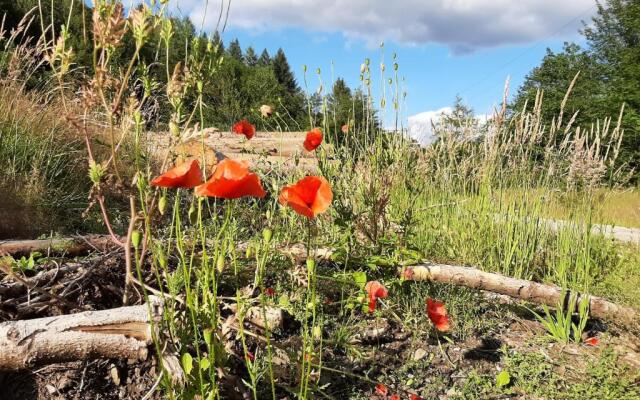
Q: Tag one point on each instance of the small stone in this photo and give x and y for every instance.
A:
(419, 354)
(51, 389)
(115, 375)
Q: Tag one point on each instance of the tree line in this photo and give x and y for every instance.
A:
(609, 75)
(236, 88)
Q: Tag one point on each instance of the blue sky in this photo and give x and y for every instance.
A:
(444, 47)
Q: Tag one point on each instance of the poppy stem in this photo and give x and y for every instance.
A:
(308, 238)
(395, 316)
(444, 352)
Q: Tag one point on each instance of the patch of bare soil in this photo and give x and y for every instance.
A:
(283, 149)
(384, 348)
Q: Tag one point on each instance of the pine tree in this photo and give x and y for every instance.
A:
(217, 41)
(340, 103)
(235, 51)
(265, 58)
(283, 72)
(461, 115)
(250, 57)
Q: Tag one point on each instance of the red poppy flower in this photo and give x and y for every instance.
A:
(269, 292)
(345, 129)
(244, 128)
(592, 341)
(414, 396)
(308, 197)
(394, 397)
(381, 389)
(186, 175)
(438, 314)
(232, 180)
(313, 140)
(376, 291)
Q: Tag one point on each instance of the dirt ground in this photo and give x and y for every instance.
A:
(281, 149)
(385, 345)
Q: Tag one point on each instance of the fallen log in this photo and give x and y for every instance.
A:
(121, 333)
(72, 247)
(533, 292)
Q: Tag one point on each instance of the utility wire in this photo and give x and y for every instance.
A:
(526, 51)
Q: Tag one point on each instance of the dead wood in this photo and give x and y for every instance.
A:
(71, 247)
(121, 333)
(533, 292)
(42, 279)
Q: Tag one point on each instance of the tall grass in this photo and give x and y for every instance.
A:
(44, 180)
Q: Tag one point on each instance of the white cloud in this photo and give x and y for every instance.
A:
(421, 125)
(464, 25)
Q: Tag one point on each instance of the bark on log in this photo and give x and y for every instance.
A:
(66, 246)
(517, 288)
(123, 333)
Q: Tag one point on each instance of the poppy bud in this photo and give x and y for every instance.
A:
(266, 235)
(162, 205)
(311, 265)
(248, 252)
(220, 263)
(136, 238)
(207, 334)
(162, 259)
(174, 129)
(317, 332)
(193, 215)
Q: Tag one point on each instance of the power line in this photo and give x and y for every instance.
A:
(528, 50)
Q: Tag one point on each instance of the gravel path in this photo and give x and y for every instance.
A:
(619, 233)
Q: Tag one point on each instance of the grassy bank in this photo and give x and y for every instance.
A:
(44, 181)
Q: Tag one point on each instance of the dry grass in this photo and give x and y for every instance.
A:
(603, 206)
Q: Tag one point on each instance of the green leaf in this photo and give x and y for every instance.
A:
(207, 336)
(360, 278)
(187, 363)
(503, 378)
